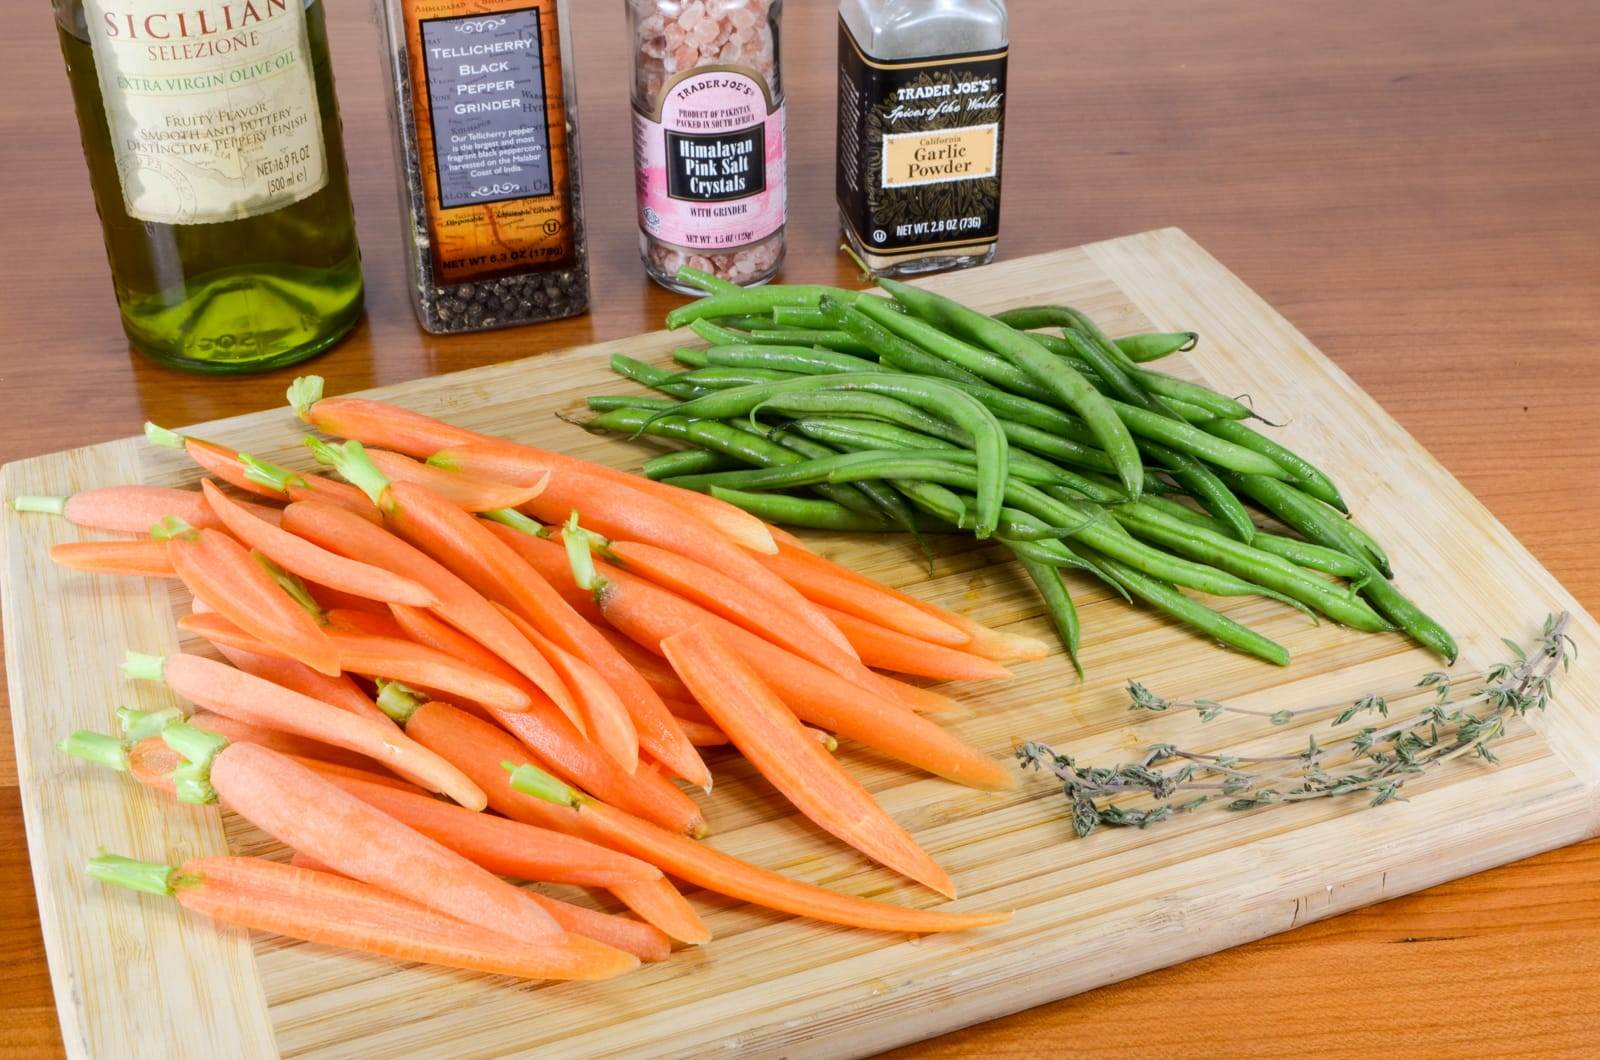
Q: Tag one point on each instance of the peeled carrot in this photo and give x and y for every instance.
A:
(145, 559)
(459, 604)
(609, 724)
(300, 747)
(881, 602)
(702, 735)
(772, 739)
(341, 691)
(260, 477)
(123, 509)
(706, 734)
(335, 910)
(620, 510)
(715, 871)
(890, 649)
(553, 740)
(478, 748)
(464, 491)
(329, 599)
(221, 573)
(379, 656)
(651, 667)
(359, 620)
(391, 427)
(299, 556)
(830, 585)
(222, 689)
(505, 847)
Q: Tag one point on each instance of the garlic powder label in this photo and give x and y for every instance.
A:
(212, 106)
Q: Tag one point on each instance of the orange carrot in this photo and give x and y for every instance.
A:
(610, 727)
(330, 599)
(296, 746)
(649, 615)
(222, 689)
(890, 649)
(620, 510)
(833, 586)
(464, 491)
(505, 847)
(706, 733)
(478, 748)
(221, 573)
(702, 735)
(335, 910)
(824, 574)
(391, 427)
(261, 478)
(299, 556)
(123, 509)
(147, 559)
(459, 604)
(651, 667)
(378, 656)
(772, 739)
(553, 740)
(311, 813)
(341, 691)
(360, 620)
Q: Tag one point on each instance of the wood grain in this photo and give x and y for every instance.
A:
(1085, 913)
(1415, 190)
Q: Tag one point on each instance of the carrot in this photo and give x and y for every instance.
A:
(378, 656)
(829, 585)
(390, 427)
(464, 491)
(299, 556)
(772, 739)
(478, 748)
(331, 599)
(264, 479)
(222, 689)
(649, 614)
(890, 649)
(341, 691)
(300, 747)
(337, 911)
(610, 727)
(123, 509)
(222, 574)
(145, 559)
(651, 667)
(359, 620)
(703, 735)
(991, 644)
(459, 604)
(715, 871)
(504, 847)
(620, 510)
(630, 936)
(547, 733)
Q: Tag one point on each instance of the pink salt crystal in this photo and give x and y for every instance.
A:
(693, 13)
(684, 57)
(697, 261)
(742, 19)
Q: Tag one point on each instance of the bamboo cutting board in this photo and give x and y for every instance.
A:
(133, 975)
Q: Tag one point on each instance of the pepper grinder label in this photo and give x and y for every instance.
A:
(919, 149)
(710, 163)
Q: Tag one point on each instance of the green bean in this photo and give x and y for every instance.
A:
(691, 356)
(706, 282)
(1219, 550)
(1165, 598)
(1313, 519)
(1190, 400)
(717, 335)
(1021, 529)
(1047, 369)
(804, 511)
(717, 379)
(828, 339)
(796, 316)
(686, 462)
(1212, 493)
(754, 301)
(1304, 553)
(941, 399)
(613, 402)
(1114, 374)
(1307, 475)
(975, 361)
(788, 359)
(1154, 345)
(1408, 616)
(892, 350)
(744, 323)
(656, 378)
(1057, 600)
(880, 494)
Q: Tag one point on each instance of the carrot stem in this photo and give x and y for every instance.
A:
(97, 748)
(142, 724)
(151, 877)
(43, 505)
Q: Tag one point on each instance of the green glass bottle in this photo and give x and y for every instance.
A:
(213, 142)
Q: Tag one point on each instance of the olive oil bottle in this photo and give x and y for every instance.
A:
(212, 137)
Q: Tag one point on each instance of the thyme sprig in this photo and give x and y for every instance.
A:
(1463, 714)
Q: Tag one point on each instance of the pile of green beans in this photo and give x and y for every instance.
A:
(844, 410)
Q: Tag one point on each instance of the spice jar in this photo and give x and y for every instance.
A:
(486, 128)
(922, 90)
(708, 138)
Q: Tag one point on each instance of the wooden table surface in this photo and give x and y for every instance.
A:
(1416, 186)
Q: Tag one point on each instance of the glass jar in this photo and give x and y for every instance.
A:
(922, 88)
(708, 138)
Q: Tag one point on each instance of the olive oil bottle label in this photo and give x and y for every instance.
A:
(211, 104)
(491, 126)
(919, 149)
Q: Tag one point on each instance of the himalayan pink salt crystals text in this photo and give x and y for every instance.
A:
(708, 138)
